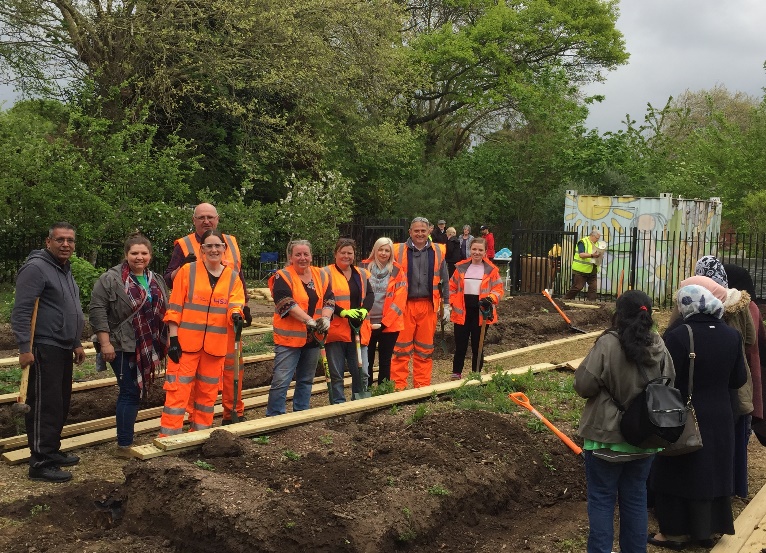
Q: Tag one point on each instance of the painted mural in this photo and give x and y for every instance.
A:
(664, 237)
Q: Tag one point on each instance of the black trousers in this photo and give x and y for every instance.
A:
(48, 395)
(471, 330)
(384, 342)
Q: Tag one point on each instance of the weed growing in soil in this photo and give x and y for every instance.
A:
(385, 387)
(390, 481)
(438, 490)
(395, 409)
(261, 440)
(290, 524)
(548, 462)
(37, 509)
(325, 440)
(204, 465)
(536, 425)
(291, 455)
(408, 533)
(9, 380)
(420, 412)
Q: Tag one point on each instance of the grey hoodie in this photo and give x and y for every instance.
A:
(60, 319)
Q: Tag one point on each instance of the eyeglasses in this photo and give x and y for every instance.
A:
(206, 217)
(63, 240)
(214, 246)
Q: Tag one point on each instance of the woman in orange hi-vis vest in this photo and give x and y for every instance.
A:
(303, 302)
(389, 284)
(353, 300)
(475, 286)
(207, 299)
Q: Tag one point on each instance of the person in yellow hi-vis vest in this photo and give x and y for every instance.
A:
(584, 268)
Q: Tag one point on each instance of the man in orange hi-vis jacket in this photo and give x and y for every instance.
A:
(423, 263)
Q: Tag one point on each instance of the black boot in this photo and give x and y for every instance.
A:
(50, 473)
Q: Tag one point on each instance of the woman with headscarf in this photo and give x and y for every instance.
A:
(615, 370)
(692, 492)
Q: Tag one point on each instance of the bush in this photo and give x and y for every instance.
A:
(85, 275)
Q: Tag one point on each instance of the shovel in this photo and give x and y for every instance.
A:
(237, 351)
(365, 393)
(485, 317)
(443, 343)
(520, 399)
(325, 365)
(574, 328)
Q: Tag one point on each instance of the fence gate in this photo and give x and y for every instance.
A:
(537, 261)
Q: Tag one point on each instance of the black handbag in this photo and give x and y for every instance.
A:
(690, 439)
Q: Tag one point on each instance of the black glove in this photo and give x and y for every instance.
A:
(174, 351)
(188, 259)
(248, 316)
(485, 303)
(236, 318)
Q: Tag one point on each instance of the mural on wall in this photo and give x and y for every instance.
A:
(670, 235)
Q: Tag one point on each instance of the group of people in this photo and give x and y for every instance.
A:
(387, 304)
(716, 327)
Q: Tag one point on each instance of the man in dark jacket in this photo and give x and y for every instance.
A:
(439, 234)
(47, 276)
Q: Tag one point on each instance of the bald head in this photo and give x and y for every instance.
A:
(205, 218)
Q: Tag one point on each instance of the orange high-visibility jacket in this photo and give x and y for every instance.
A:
(203, 315)
(491, 285)
(340, 329)
(400, 256)
(396, 297)
(289, 331)
(231, 256)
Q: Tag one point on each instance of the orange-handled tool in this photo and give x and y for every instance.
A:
(566, 319)
(520, 399)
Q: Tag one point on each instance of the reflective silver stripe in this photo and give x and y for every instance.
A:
(423, 355)
(197, 426)
(170, 378)
(174, 410)
(403, 345)
(208, 379)
(174, 307)
(170, 431)
(213, 329)
(189, 244)
(290, 333)
(342, 297)
(203, 408)
(233, 249)
(232, 304)
(399, 353)
(192, 280)
(396, 309)
(186, 379)
(458, 311)
(204, 308)
(424, 346)
(232, 279)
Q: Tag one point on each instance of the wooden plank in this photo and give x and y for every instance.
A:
(535, 347)
(582, 305)
(749, 521)
(260, 426)
(574, 363)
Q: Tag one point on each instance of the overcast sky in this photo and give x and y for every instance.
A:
(676, 45)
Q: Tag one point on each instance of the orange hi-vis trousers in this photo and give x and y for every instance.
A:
(196, 378)
(416, 340)
(227, 382)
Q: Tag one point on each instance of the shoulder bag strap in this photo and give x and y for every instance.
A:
(692, 356)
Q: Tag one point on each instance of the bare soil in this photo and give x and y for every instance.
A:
(452, 481)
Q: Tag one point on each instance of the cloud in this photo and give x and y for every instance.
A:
(676, 45)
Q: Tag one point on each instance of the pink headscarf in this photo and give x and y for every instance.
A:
(718, 291)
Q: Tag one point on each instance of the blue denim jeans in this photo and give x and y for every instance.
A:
(617, 483)
(342, 355)
(126, 371)
(289, 362)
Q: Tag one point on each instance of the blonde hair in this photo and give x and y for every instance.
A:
(451, 232)
(379, 243)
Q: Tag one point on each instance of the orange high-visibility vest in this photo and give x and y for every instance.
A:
(289, 331)
(203, 315)
(340, 329)
(400, 256)
(491, 284)
(395, 299)
(231, 256)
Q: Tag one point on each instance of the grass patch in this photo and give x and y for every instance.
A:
(438, 490)
(261, 440)
(7, 295)
(420, 412)
(204, 465)
(9, 380)
(385, 387)
(258, 345)
(291, 455)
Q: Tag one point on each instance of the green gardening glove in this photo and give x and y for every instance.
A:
(346, 313)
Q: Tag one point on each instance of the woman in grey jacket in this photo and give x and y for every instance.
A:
(127, 308)
(615, 470)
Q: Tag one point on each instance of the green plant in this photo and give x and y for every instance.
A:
(325, 440)
(408, 533)
(288, 453)
(536, 425)
(37, 509)
(548, 462)
(385, 387)
(7, 296)
(437, 489)
(261, 440)
(85, 275)
(420, 411)
(10, 379)
(204, 465)
(290, 524)
(395, 409)
(390, 481)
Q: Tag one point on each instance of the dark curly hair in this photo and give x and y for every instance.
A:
(633, 323)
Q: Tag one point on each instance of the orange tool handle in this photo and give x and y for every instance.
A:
(550, 299)
(520, 399)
